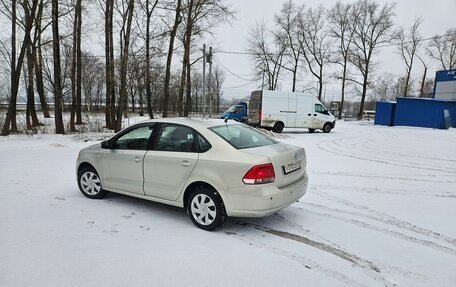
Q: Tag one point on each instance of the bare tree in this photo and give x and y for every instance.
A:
(31, 117)
(38, 58)
(339, 17)
(127, 17)
(287, 22)
(409, 43)
(443, 49)
(372, 27)
(76, 69)
(314, 43)
(200, 16)
(59, 128)
(384, 87)
(177, 21)
(109, 67)
(219, 79)
(267, 55)
(10, 124)
(423, 78)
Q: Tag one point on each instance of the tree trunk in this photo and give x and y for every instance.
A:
(342, 97)
(407, 79)
(108, 30)
(188, 100)
(38, 63)
(148, 80)
(11, 114)
(169, 59)
(423, 82)
(59, 128)
(73, 72)
(78, 11)
(295, 71)
(31, 111)
(363, 95)
(123, 67)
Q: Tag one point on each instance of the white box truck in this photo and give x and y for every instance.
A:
(277, 110)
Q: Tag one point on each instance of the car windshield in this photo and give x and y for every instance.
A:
(243, 136)
(232, 109)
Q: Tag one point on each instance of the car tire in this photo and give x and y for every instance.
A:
(327, 128)
(278, 127)
(206, 209)
(311, 131)
(90, 184)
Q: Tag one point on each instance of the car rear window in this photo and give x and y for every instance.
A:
(243, 136)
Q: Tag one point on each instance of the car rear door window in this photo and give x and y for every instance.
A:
(175, 138)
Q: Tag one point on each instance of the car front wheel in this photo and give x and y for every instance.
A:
(90, 184)
(327, 128)
(206, 209)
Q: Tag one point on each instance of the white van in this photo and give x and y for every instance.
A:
(276, 110)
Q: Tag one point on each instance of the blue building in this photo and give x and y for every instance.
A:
(438, 112)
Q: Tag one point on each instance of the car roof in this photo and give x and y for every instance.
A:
(192, 122)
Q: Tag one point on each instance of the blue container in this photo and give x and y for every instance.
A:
(423, 112)
(384, 113)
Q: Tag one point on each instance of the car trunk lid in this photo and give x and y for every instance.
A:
(289, 161)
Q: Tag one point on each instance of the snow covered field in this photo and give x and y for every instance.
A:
(380, 211)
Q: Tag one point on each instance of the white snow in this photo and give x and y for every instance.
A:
(380, 211)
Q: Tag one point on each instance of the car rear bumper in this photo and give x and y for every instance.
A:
(263, 200)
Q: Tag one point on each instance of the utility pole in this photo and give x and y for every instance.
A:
(203, 96)
(209, 89)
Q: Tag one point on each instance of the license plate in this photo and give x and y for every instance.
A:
(292, 167)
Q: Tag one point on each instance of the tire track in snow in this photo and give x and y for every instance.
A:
(386, 155)
(384, 218)
(326, 146)
(384, 176)
(392, 191)
(390, 269)
(366, 267)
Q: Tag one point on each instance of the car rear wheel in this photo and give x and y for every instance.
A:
(90, 184)
(327, 128)
(206, 208)
(278, 127)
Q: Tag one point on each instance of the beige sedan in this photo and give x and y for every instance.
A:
(212, 168)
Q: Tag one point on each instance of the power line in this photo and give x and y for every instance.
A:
(229, 71)
(332, 52)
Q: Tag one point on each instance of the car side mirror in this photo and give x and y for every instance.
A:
(105, 144)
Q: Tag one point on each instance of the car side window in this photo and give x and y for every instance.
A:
(320, 109)
(203, 144)
(136, 139)
(175, 138)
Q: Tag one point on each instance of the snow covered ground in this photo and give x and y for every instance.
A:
(380, 211)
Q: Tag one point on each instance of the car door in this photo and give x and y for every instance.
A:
(320, 116)
(169, 164)
(123, 162)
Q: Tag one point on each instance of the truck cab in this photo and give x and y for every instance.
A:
(236, 112)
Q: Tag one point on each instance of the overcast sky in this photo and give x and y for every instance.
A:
(438, 16)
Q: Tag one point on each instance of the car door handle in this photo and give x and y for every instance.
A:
(137, 159)
(315, 115)
(309, 114)
(186, 163)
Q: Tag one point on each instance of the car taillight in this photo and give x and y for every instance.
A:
(263, 173)
(259, 116)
